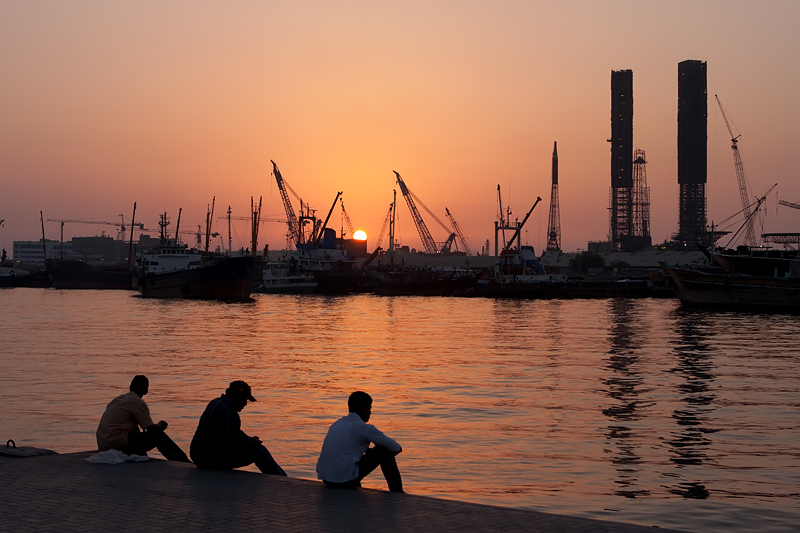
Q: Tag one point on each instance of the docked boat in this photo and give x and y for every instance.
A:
(71, 274)
(718, 288)
(283, 277)
(416, 281)
(757, 261)
(11, 277)
(176, 271)
(333, 270)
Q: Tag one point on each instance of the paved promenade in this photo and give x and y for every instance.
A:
(66, 493)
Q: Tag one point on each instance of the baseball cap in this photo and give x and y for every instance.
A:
(244, 388)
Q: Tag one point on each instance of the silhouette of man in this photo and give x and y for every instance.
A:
(120, 423)
(346, 457)
(219, 442)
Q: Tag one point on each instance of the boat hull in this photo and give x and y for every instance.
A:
(229, 279)
(696, 288)
(421, 282)
(78, 275)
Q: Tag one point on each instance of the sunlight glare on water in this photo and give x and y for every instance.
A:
(631, 410)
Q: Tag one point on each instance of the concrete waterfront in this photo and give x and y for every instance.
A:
(66, 493)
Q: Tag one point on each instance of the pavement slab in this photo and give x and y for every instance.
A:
(66, 493)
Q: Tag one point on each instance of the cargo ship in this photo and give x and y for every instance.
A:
(176, 271)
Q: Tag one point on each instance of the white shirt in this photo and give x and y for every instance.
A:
(347, 440)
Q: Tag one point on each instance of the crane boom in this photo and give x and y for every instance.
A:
(741, 177)
(422, 229)
(457, 230)
(789, 204)
(346, 219)
(384, 225)
(291, 218)
(519, 227)
(316, 237)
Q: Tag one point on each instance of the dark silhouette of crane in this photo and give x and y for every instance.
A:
(457, 231)
(422, 229)
(346, 220)
(424, 234)
(741, 177)
(291, 219)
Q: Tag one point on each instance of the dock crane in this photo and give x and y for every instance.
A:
(291, 218)
(422, 229)
(457, 231)
(741, 177)
(346, 220)
(296, 223)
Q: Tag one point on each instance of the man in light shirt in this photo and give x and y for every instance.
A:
(346, 457)
(120, 423)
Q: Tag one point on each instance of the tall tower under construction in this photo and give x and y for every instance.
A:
(692, 150)
(621, 197)
(554, 221)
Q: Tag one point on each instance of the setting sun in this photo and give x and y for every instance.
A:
(360, 235)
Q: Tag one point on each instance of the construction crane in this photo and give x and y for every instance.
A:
(346, 220)
(422, 229)
(782, 202)
(291, 219)
(741, 177)
(122, 225)
(458, 232)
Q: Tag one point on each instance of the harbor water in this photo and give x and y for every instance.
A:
(633, 410)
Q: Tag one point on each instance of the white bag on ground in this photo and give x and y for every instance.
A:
(115, 457)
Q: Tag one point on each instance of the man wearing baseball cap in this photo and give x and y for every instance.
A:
(219, 442)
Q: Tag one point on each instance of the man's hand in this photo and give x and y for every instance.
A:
(256, 440)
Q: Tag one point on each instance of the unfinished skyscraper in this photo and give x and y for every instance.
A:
(692, 150)
(554, 221)
(621, 197)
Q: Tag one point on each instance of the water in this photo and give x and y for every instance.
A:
(631, 410)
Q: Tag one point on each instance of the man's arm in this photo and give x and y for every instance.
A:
(375, 436)
(161, 426)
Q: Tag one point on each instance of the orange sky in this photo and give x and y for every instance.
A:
(171, 103)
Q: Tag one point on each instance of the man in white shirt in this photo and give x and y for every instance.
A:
(346, 457)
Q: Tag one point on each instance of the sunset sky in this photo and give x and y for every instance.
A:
(171, 103)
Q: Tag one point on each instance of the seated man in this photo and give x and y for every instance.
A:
(120, 423)
(219, 442)
(346, 457)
